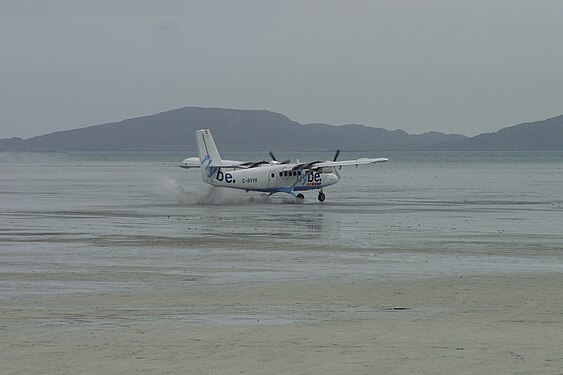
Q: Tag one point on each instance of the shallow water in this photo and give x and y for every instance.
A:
(70, 218)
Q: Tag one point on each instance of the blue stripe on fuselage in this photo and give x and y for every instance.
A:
(285, 190)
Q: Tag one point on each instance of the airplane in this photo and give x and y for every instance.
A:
(266, 176)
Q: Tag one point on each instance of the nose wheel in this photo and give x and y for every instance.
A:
(300, 197)
(321, 197)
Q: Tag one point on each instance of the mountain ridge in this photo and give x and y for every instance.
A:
(259, 130)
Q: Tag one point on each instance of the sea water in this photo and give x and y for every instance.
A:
(68, 217)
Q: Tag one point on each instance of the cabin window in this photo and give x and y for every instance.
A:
(273, 175)
(299, 173)
(285, 173)
(295, 173)
(281, 174)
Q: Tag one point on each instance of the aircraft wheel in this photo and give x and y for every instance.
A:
(321, 197)
(300, 197)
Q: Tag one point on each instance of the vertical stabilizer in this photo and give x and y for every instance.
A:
(209, 157)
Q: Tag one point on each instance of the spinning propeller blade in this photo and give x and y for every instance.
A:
(274, 158)
(336, 155)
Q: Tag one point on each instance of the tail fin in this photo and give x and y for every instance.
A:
(209, 157)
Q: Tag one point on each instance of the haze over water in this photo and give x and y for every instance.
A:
(68, 216)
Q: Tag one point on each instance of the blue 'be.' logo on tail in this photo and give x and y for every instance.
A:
(206, 163)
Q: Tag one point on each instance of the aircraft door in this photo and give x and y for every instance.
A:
(272, 180)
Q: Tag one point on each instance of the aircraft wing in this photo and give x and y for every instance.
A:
(344, 163)
(195, 163)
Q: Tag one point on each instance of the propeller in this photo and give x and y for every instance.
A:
(334, 159)
(336, 155)
(274, 158)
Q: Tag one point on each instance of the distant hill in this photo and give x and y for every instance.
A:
(546, 135)
(250, 130)
(233, 130)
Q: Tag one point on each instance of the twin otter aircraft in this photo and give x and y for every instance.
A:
(266, 176)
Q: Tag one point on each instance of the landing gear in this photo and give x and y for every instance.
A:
(321, 197)
(300, 198)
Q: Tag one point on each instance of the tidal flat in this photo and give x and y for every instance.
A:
(431, 263)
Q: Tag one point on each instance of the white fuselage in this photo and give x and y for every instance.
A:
(266, 176)
(270, 178)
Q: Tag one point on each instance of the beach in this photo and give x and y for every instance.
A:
(136, 268)
(474, 324)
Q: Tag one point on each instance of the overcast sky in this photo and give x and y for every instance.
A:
(452, 66)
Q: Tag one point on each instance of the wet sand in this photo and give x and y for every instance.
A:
(137, 268)
(506, 323)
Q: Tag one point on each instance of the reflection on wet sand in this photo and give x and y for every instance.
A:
(442, 268)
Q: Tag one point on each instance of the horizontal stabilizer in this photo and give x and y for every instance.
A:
(195, 163)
